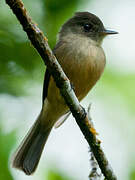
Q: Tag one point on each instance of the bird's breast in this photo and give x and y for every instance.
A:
(83, 64)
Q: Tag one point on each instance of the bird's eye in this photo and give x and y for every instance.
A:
(87, 27)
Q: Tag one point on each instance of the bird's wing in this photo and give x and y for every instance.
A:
(45, 85)
(46, 81)
(45, 91)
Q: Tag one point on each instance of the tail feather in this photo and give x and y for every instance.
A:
(29, 152)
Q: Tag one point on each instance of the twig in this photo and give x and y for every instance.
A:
(39, 41)
(94, 174)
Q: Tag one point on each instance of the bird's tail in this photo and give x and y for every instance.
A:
(29, 152)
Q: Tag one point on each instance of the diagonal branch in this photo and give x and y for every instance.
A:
(40, 43)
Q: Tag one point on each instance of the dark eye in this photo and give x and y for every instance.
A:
(87, 27)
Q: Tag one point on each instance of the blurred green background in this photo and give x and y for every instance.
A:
(113, 98)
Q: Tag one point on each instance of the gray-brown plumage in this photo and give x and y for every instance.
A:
(82, 58)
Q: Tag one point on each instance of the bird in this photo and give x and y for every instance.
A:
(81, 56)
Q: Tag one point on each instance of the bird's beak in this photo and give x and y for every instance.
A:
(108, 32)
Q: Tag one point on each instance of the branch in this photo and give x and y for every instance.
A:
(40, 43)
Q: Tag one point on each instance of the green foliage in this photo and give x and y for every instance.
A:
(19, 62)
(55, 175)
(6, 144)
(132, 175)
(121, 84)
